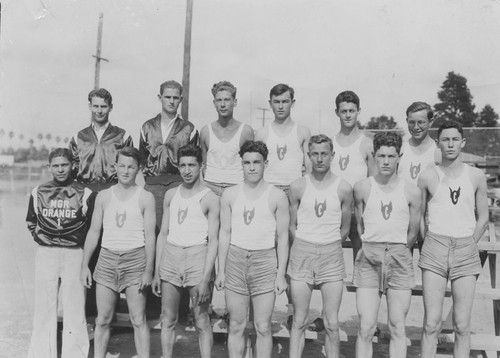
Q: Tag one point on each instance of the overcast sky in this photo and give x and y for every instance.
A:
(389, 52)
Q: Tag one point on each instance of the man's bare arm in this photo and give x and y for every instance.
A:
(282, 225)
(224, 236)
(414, 198)
(305, 134)
(294, 196)
(148, 205)
(482, 211)
(345, 195)
(360, 193)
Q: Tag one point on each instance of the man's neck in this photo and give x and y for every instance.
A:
(283, 122)
(255, 185)
(386, 180)
(167, 117)
(98, 125)
(192, 187)
(418, 142)
(225, 121)
(451, 164)
(349, 131)
(125, 187)
(321, 176)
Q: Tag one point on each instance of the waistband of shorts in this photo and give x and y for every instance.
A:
(186, 247)
(312, 244)
(446, 237)
(245, 250)
(125, 252)
(383, 244)
(220, 185)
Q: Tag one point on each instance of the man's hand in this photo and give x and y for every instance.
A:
(146, 280)
(219, 281)
(202, 292)
(156, 286)
(280, 285)
(86, 277)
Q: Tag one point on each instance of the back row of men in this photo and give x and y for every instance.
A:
(248, 228)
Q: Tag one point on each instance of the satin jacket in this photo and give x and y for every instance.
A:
(161, 157)
(59, 215)
(95, 159)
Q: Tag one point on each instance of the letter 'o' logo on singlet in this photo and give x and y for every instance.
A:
(454, 195)
(319, 208)
(181, 215)
(248, 215)
(386, 209)
(415, 170)
(344, 162)
(280, 151)
(120, 218)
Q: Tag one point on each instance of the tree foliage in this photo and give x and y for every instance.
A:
(487, 117)
(455, 102)
(380, 122)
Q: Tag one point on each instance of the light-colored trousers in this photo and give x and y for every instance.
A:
(52, 264)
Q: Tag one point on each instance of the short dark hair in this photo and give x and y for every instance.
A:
(387, 139)
(320, 138)
(171, 84)
(347, 96)
(281, 88)
(224, 86)
(130, 152)
(252, 146)
(61, 152)
(101, 93)
(420, 106)
(190, 150)
(450, 124)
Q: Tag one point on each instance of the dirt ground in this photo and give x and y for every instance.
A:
(16, 301)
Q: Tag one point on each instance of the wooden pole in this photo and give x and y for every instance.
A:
(187, 60)
(264, 110)
(97, 55)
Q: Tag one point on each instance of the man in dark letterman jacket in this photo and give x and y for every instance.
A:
(58, 217)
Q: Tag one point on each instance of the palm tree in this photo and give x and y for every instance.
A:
(40, 138)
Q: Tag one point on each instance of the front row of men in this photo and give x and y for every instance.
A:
(249, 228)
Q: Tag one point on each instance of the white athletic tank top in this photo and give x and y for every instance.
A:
(223, 160)
(348, 162)
(123, 223)
(386, 215)
(253, 225)
(412, 164)
(452, 207)
(285, 157)
(319, 214)
(188, 226)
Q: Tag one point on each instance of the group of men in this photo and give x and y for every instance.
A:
(270, 209)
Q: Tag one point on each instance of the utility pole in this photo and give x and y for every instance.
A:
(263, 115)
(187, 59)
(97, 56)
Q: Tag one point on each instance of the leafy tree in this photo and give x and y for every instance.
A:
(487, 117)
(455, 102)
(381, 122)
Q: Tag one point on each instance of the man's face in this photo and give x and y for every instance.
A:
(189, 169)
(60, 167)
(418, 124)
(321, 157)
(224, 104)
(282, 105)
(253, 167)
(387, 159)
(170, 100)
(126, 170)
(348, 113)
(100, 110)
(450, 142)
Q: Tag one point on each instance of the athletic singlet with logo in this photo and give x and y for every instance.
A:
(223, 160)
(451, 208)
(123, 223)
(319, 214)
(412, 164)
(349, 163)
(386, 215)
(253, 225)
(285, 157)
(188, 225)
